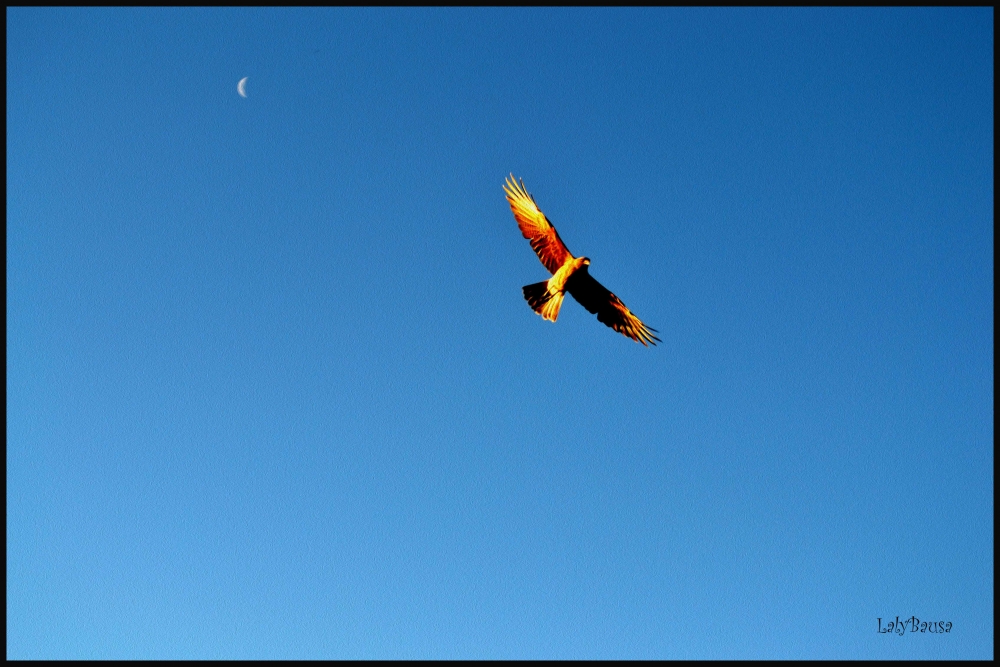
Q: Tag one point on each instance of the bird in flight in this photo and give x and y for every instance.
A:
(569, 273)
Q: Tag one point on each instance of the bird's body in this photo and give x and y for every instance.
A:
(569, 273)
(548, 295)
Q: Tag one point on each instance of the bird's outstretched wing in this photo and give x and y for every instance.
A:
(596, 298)
(536, 227)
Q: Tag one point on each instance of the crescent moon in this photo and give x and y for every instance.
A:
(241, 87)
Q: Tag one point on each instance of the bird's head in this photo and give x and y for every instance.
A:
(585, 261)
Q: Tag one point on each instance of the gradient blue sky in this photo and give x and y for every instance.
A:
(273, 390)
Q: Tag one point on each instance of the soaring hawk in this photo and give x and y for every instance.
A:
(569, 273)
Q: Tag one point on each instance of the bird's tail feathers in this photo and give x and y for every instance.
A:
(542, 301)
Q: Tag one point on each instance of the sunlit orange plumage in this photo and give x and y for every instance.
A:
(569, 273)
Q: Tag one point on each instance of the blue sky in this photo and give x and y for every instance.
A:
(273, 390)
